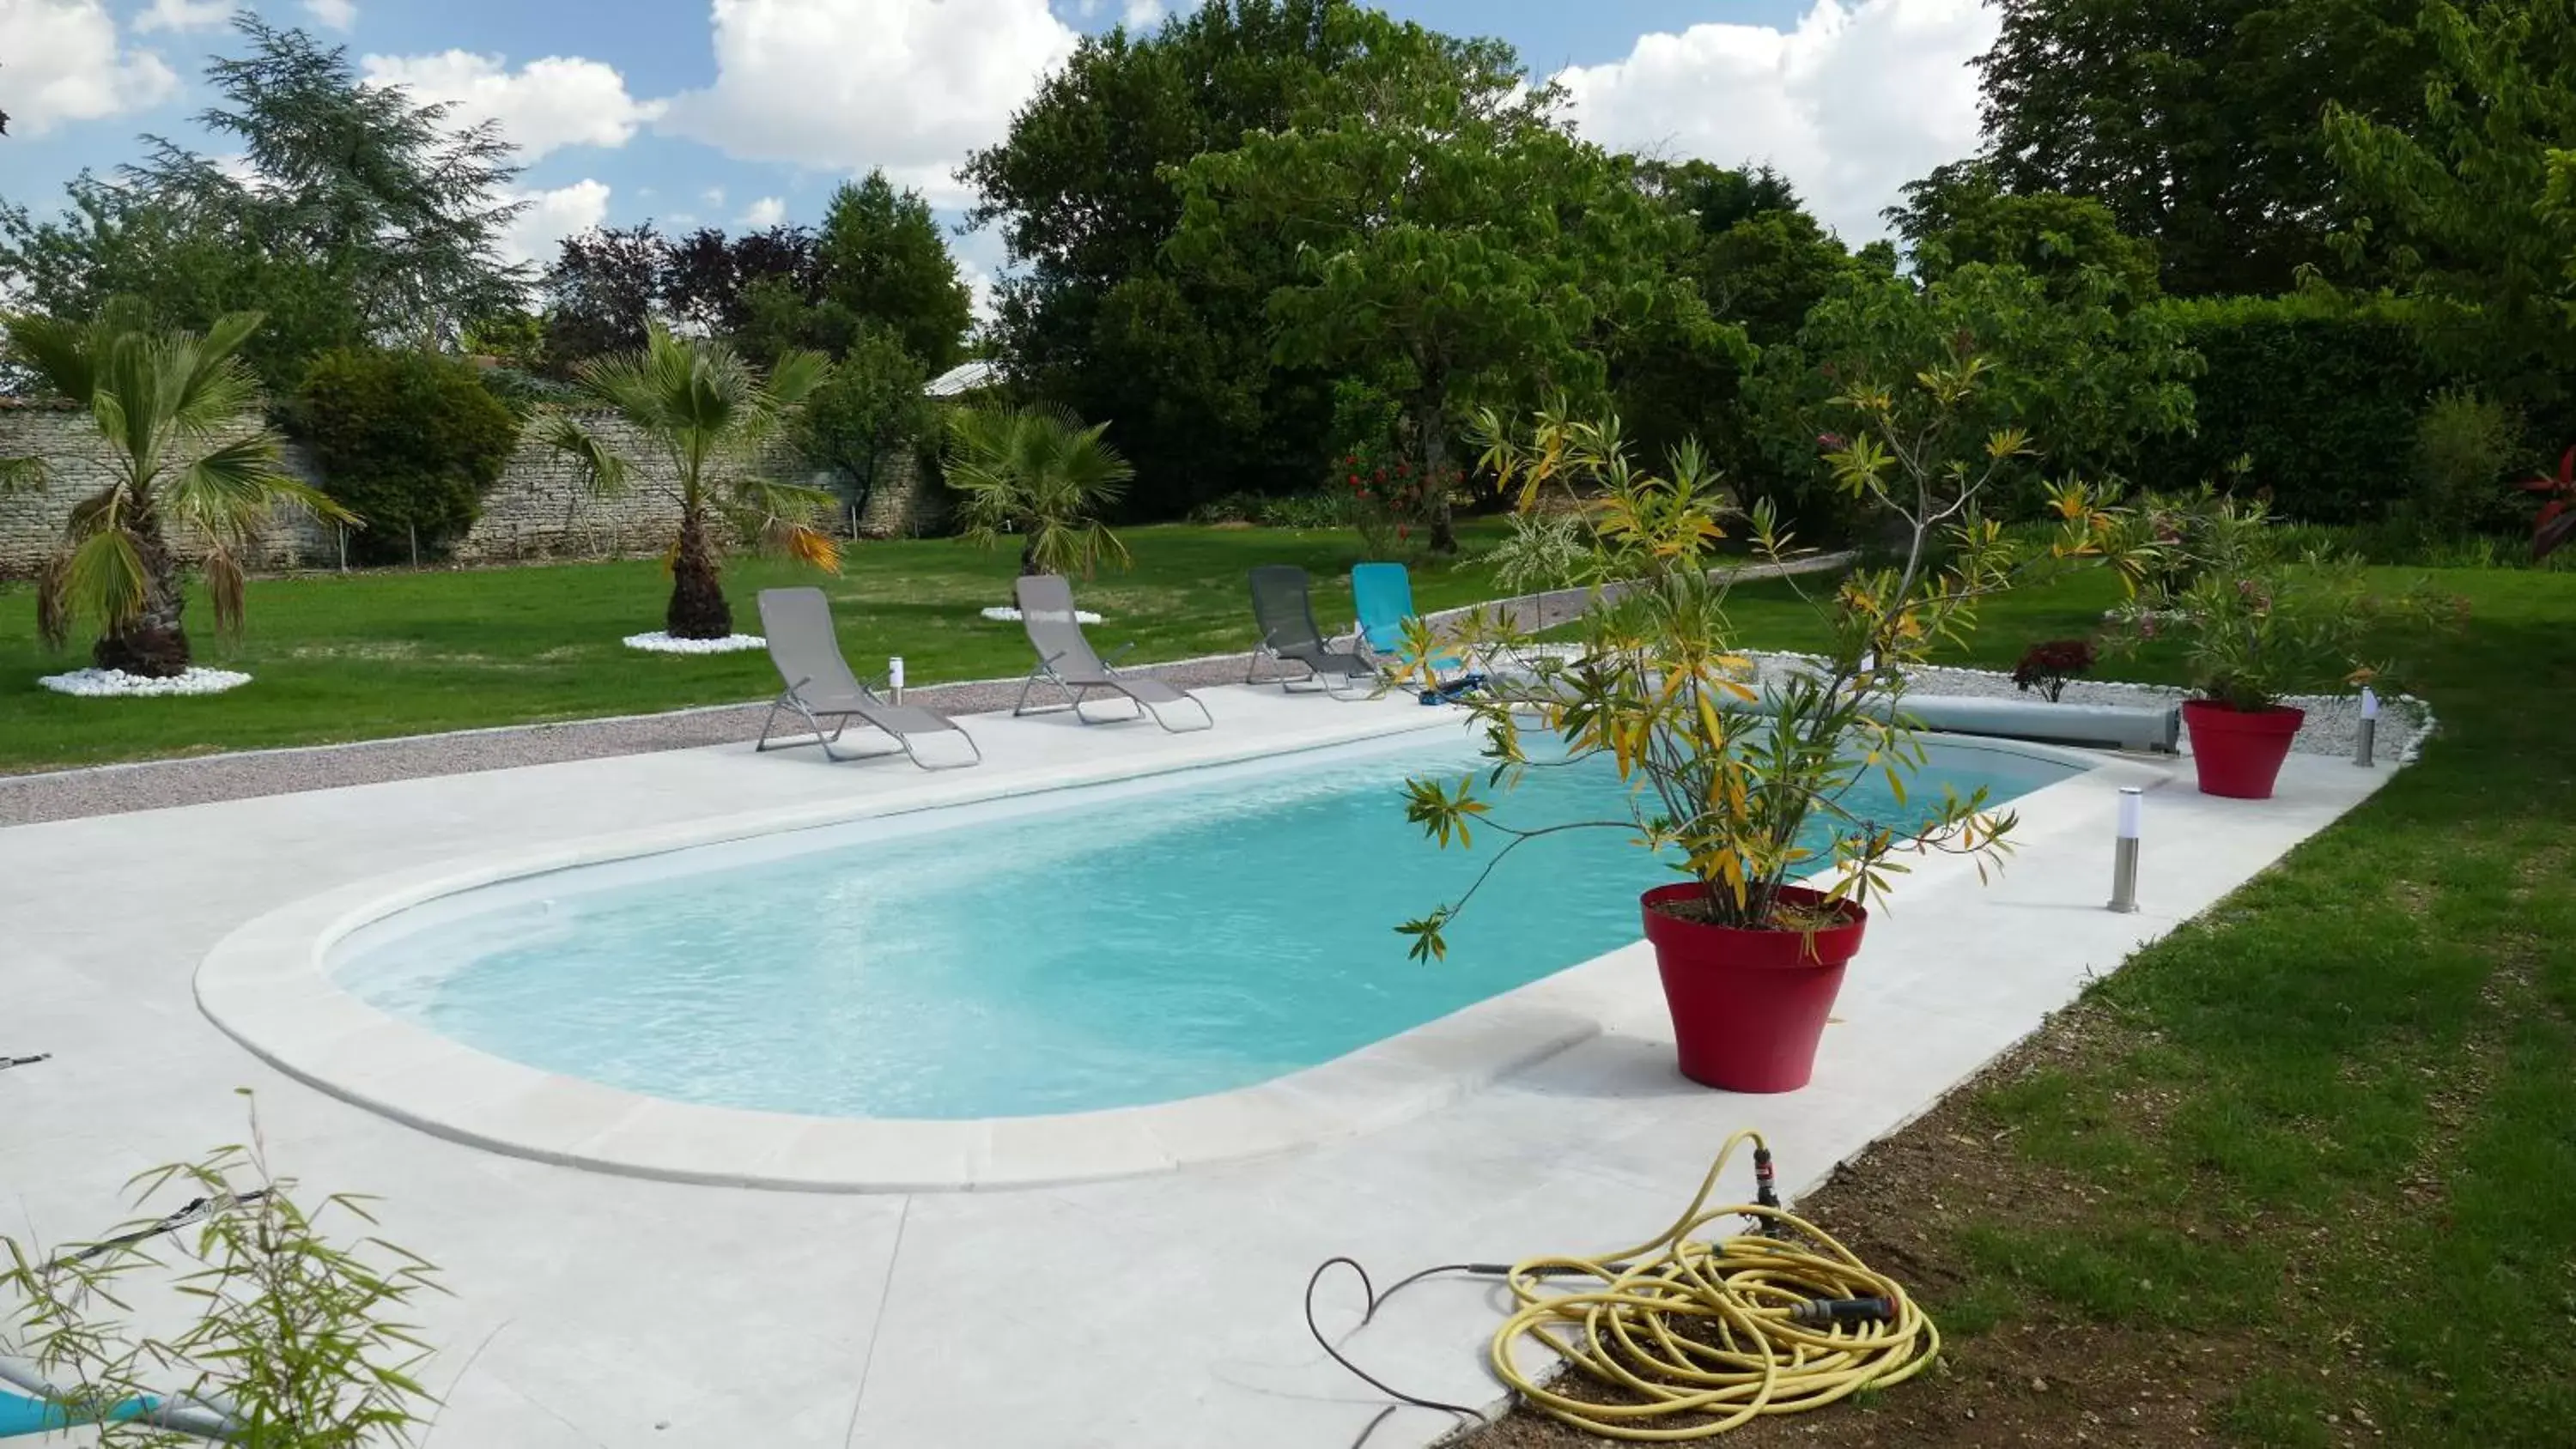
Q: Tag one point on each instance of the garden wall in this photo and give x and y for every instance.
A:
(539, 508)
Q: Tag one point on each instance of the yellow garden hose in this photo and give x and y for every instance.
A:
(1717, 1332)
(1781, 1327)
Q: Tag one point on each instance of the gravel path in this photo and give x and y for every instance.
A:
(157, 784)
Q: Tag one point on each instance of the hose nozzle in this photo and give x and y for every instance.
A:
(1826, 1312)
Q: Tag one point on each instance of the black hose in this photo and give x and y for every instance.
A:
(196, 1210)
(7, 1062)
(1463, 1411)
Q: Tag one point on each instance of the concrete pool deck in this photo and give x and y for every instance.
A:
(593, 1309)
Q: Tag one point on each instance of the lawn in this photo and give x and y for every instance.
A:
(368, 655)
(2302, 1174)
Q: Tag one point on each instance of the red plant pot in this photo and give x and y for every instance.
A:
(1749, 1006)
(2238, 752)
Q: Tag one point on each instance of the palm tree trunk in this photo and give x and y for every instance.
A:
(698, 608)
(151, 644)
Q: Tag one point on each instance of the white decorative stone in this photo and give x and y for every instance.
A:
(117, 684)
(659, 642)
(1012, 616)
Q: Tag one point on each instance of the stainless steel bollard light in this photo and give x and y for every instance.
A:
(2124, 861)
(2366, 743)
(894, 678)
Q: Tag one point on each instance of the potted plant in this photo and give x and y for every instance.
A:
(2257, 622)
(1739, 779)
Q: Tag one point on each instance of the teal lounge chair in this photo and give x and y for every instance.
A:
(1383, 595)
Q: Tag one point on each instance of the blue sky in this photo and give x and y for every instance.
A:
(741, 111)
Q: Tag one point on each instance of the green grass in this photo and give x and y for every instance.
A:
(368, 655)
(2339, 1112)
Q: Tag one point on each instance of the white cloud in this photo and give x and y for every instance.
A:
(1851, 105)
(65, 65)
(337, 14)
(542, 106)
(979, 286)
(554, 215)
(713, 196)
(1141, 13)
(843, 85)
(184, 15)
(763, 214)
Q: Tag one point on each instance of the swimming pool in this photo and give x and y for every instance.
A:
(1100, 947)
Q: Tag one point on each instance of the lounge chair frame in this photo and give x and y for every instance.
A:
(1078, 688)
(845, 700)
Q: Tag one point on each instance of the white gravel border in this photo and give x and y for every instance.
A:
(117, 684)
(660, 642)
(1012, 616)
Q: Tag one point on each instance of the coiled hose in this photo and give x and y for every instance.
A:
(1721, 1331)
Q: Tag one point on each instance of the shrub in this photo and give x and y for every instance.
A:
(1303, 510)
(2464, 444)
(408, 441)
(1236, 507)
(2048, 665)
(2320, 395)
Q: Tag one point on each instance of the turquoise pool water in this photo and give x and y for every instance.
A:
(1082, 949)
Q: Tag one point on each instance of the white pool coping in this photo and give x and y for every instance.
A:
(1152, 1312)
(269, 986)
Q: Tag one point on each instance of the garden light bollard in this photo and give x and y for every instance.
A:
(2366, 740)
(894, 677)
(2124, 861)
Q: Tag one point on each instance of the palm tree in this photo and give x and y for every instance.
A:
(708, 414)
(1038, 472)
(186, 451)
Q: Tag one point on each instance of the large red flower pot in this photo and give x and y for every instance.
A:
(2238, 752)
(1749, 1006)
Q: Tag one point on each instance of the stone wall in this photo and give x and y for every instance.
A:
(538, 509)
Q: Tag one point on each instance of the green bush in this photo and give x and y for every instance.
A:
(2464, 445)
(408, 441)
(1303, 510)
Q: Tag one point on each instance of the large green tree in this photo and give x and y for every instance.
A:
(2068, 361)
(1759, 260)
(881, 259)
(1097, 319)
(1961, 214)
(1443, 234)
(2479, 196)
(346, 211)
(2197, 123)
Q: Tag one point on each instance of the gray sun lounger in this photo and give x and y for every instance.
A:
(1283, 606)
(820, 685)
(1067, 661)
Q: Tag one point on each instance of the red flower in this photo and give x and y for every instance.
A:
(1830, 441)
(1403, 531)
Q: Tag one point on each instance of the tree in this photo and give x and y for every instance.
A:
(882, 259)
(2480, 193)
(1442, 227)
(179, 416)
(870, 409)
(1759, 261)
(1037, 472)
(2197, 125)
(602, 292)
(346, 213)
(407, 440)
(708, 414)
(2094, 378)
(1961, 214)
(181, 266)
(1097, 318)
